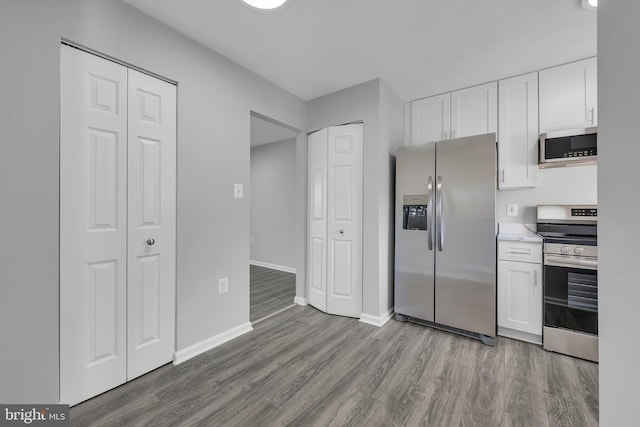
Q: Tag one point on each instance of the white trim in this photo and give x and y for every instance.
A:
(273, 266)
(300, 301)
(519, 335)
(206, 345)
(377, 320)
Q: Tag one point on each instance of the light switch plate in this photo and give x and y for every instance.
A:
(237, 191)
(512, 209)
(223, 285)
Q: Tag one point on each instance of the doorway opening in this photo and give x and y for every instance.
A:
(272, 218)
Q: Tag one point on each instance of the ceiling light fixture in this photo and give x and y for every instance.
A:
(590, 4)
(268, 4)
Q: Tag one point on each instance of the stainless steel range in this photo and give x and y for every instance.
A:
(570, 279)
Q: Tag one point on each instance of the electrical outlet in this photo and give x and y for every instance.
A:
(237, 191)
(512, 209)
(223, 285)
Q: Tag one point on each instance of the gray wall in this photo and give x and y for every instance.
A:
(391, 137)
(215, 97)
(619, 210)
(29, 119)
(273, 203)
(568, 185)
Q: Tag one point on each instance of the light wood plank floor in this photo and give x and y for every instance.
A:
(305, 368)
(271, 290)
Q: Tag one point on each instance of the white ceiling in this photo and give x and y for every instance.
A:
(265, 132)
(418, 47)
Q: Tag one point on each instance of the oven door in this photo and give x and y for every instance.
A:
(571, 293)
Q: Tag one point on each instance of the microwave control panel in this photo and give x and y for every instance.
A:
(584, 212)
(581, 153)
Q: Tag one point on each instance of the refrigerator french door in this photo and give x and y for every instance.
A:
(445, 254)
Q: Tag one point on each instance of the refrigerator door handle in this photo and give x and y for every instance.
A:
(430, 220)
(439, 220)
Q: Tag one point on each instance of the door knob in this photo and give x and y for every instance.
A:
(150, 242)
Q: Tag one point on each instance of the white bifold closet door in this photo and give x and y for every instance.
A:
(335, 195)
(117, 224)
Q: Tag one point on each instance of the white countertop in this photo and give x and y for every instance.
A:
(518, 232)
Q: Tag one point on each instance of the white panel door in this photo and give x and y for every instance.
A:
(317, 237)
(569, 96)
(474, 111)
(431, 119)
(520, 296)
(93, 225)
(518, 132)
(344, 221)
(152, 223)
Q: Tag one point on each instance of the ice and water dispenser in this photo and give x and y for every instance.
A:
(414, 212)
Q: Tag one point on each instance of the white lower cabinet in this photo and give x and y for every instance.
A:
(520, 293)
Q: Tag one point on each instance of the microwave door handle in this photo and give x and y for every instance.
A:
(430, 220)
(439, 218)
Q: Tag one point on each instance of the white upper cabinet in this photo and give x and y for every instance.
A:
(569, 96)
(466, 112)
(474, 110)
(518, 132)
(430, 119)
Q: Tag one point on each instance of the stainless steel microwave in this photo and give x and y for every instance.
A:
(569, 146)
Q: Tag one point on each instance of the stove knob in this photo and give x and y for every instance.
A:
(579, 251)
(564, 249)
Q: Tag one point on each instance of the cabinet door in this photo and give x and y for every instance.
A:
(518, 132)
(520, 296)
(568, 96)
(474, 110)
(430, 119)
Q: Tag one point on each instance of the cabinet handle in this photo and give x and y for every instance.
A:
(592, 111)
(520, 251)
(502, 175)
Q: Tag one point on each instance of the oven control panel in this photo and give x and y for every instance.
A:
(564, 249)
(584, 212)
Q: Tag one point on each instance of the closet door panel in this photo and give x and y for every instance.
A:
(152, 218)
(317, 226)
(93, 225)
(344, 227)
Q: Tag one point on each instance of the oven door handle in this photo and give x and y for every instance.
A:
(570, 262)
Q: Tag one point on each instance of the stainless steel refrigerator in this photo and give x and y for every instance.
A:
(445, 235)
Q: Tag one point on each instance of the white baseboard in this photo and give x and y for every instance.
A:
(273, 266)
(377, 320)
(300, 301)
(519, 335)
(206, 345)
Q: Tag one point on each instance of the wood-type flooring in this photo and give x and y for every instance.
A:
(271, 291)
(304, 368)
